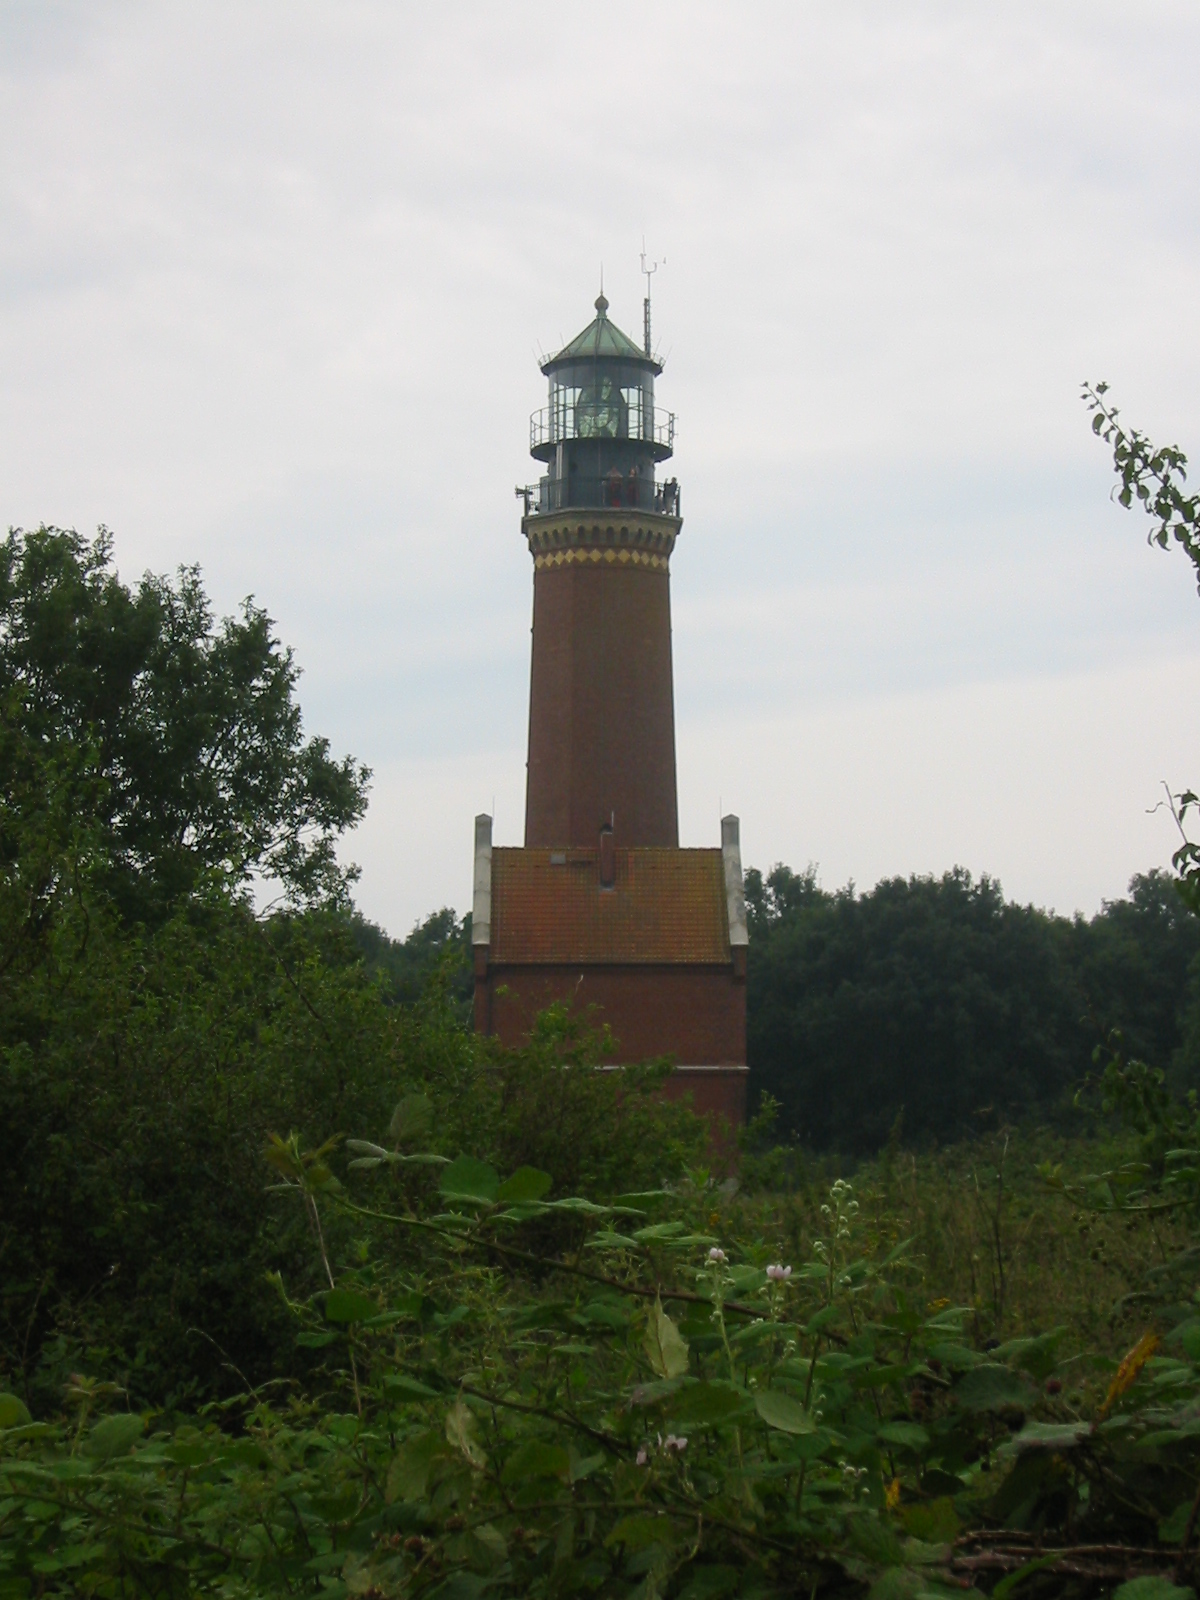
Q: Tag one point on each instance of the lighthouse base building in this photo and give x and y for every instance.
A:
(658, 952)
(601, 910)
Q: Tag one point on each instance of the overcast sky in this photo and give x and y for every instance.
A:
(273, 283)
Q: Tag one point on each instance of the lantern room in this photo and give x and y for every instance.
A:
(601, 436)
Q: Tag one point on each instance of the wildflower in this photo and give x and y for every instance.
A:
(779, 1273)
(642, 1457)
(716, 1254)
(671, 1442)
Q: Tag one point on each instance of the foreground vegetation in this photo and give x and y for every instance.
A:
(688, 1390)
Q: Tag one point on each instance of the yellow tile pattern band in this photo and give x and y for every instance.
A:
(622, 557)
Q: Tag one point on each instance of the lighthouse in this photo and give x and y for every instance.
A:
(601, 908)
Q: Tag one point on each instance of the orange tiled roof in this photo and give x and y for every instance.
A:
(668, 906)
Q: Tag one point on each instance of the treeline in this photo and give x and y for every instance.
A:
(924, 1010)
(931, 1009)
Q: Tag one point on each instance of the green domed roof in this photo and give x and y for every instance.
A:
(601, 338)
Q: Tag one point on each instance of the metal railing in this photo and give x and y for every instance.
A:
(614, 491)
(554, 424)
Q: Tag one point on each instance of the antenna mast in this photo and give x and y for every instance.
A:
(648, 272)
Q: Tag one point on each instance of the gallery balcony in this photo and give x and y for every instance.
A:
(614, 492)
(555, 425)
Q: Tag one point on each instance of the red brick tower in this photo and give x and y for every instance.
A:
(601, 907)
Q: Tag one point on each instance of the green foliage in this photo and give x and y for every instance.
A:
(154, 1066)
(936, 1005)
(188, 734)
(1156, 477)
(657, 1413)
(154, 1030)
(441, 941)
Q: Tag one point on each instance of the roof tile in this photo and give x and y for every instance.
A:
(668, 906)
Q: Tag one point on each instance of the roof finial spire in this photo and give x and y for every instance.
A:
(601, 302)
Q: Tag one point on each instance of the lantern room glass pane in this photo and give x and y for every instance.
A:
(598, 411)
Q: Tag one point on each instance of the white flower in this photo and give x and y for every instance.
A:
(716, 1254)
(779, 1273)
(642, 1457)
(673, 1443)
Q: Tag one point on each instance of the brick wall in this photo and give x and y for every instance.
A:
(601, 707)
(696, 1014)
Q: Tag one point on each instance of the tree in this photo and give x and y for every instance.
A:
(1134, 963)
(928, 997)
(187, 733)
(1156, 477)
(442, 940)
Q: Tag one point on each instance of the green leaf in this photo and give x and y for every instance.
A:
(607, 1239)
(460, 1431)
(779, 1410)
(994, 1388)
(879, 1377)
(1037, 1355)
(1172, 1529)
(526, 1184)
(411, 1118)
(949, 1320)
(114, 1436)
(248, 1453)
(1152, 1589)
(400, 1384)
(958, 1357)
(666, 1349)
(935, 1521)
(537, 1460)
(653, 1394)
(348, 1305)
(908, 1435)
(468, 1179)
(408, 1475)
(583, 1466)
(13, 1412)
(414, 1307)
(641, 1530)
(612, 1314)
(706, 1405)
